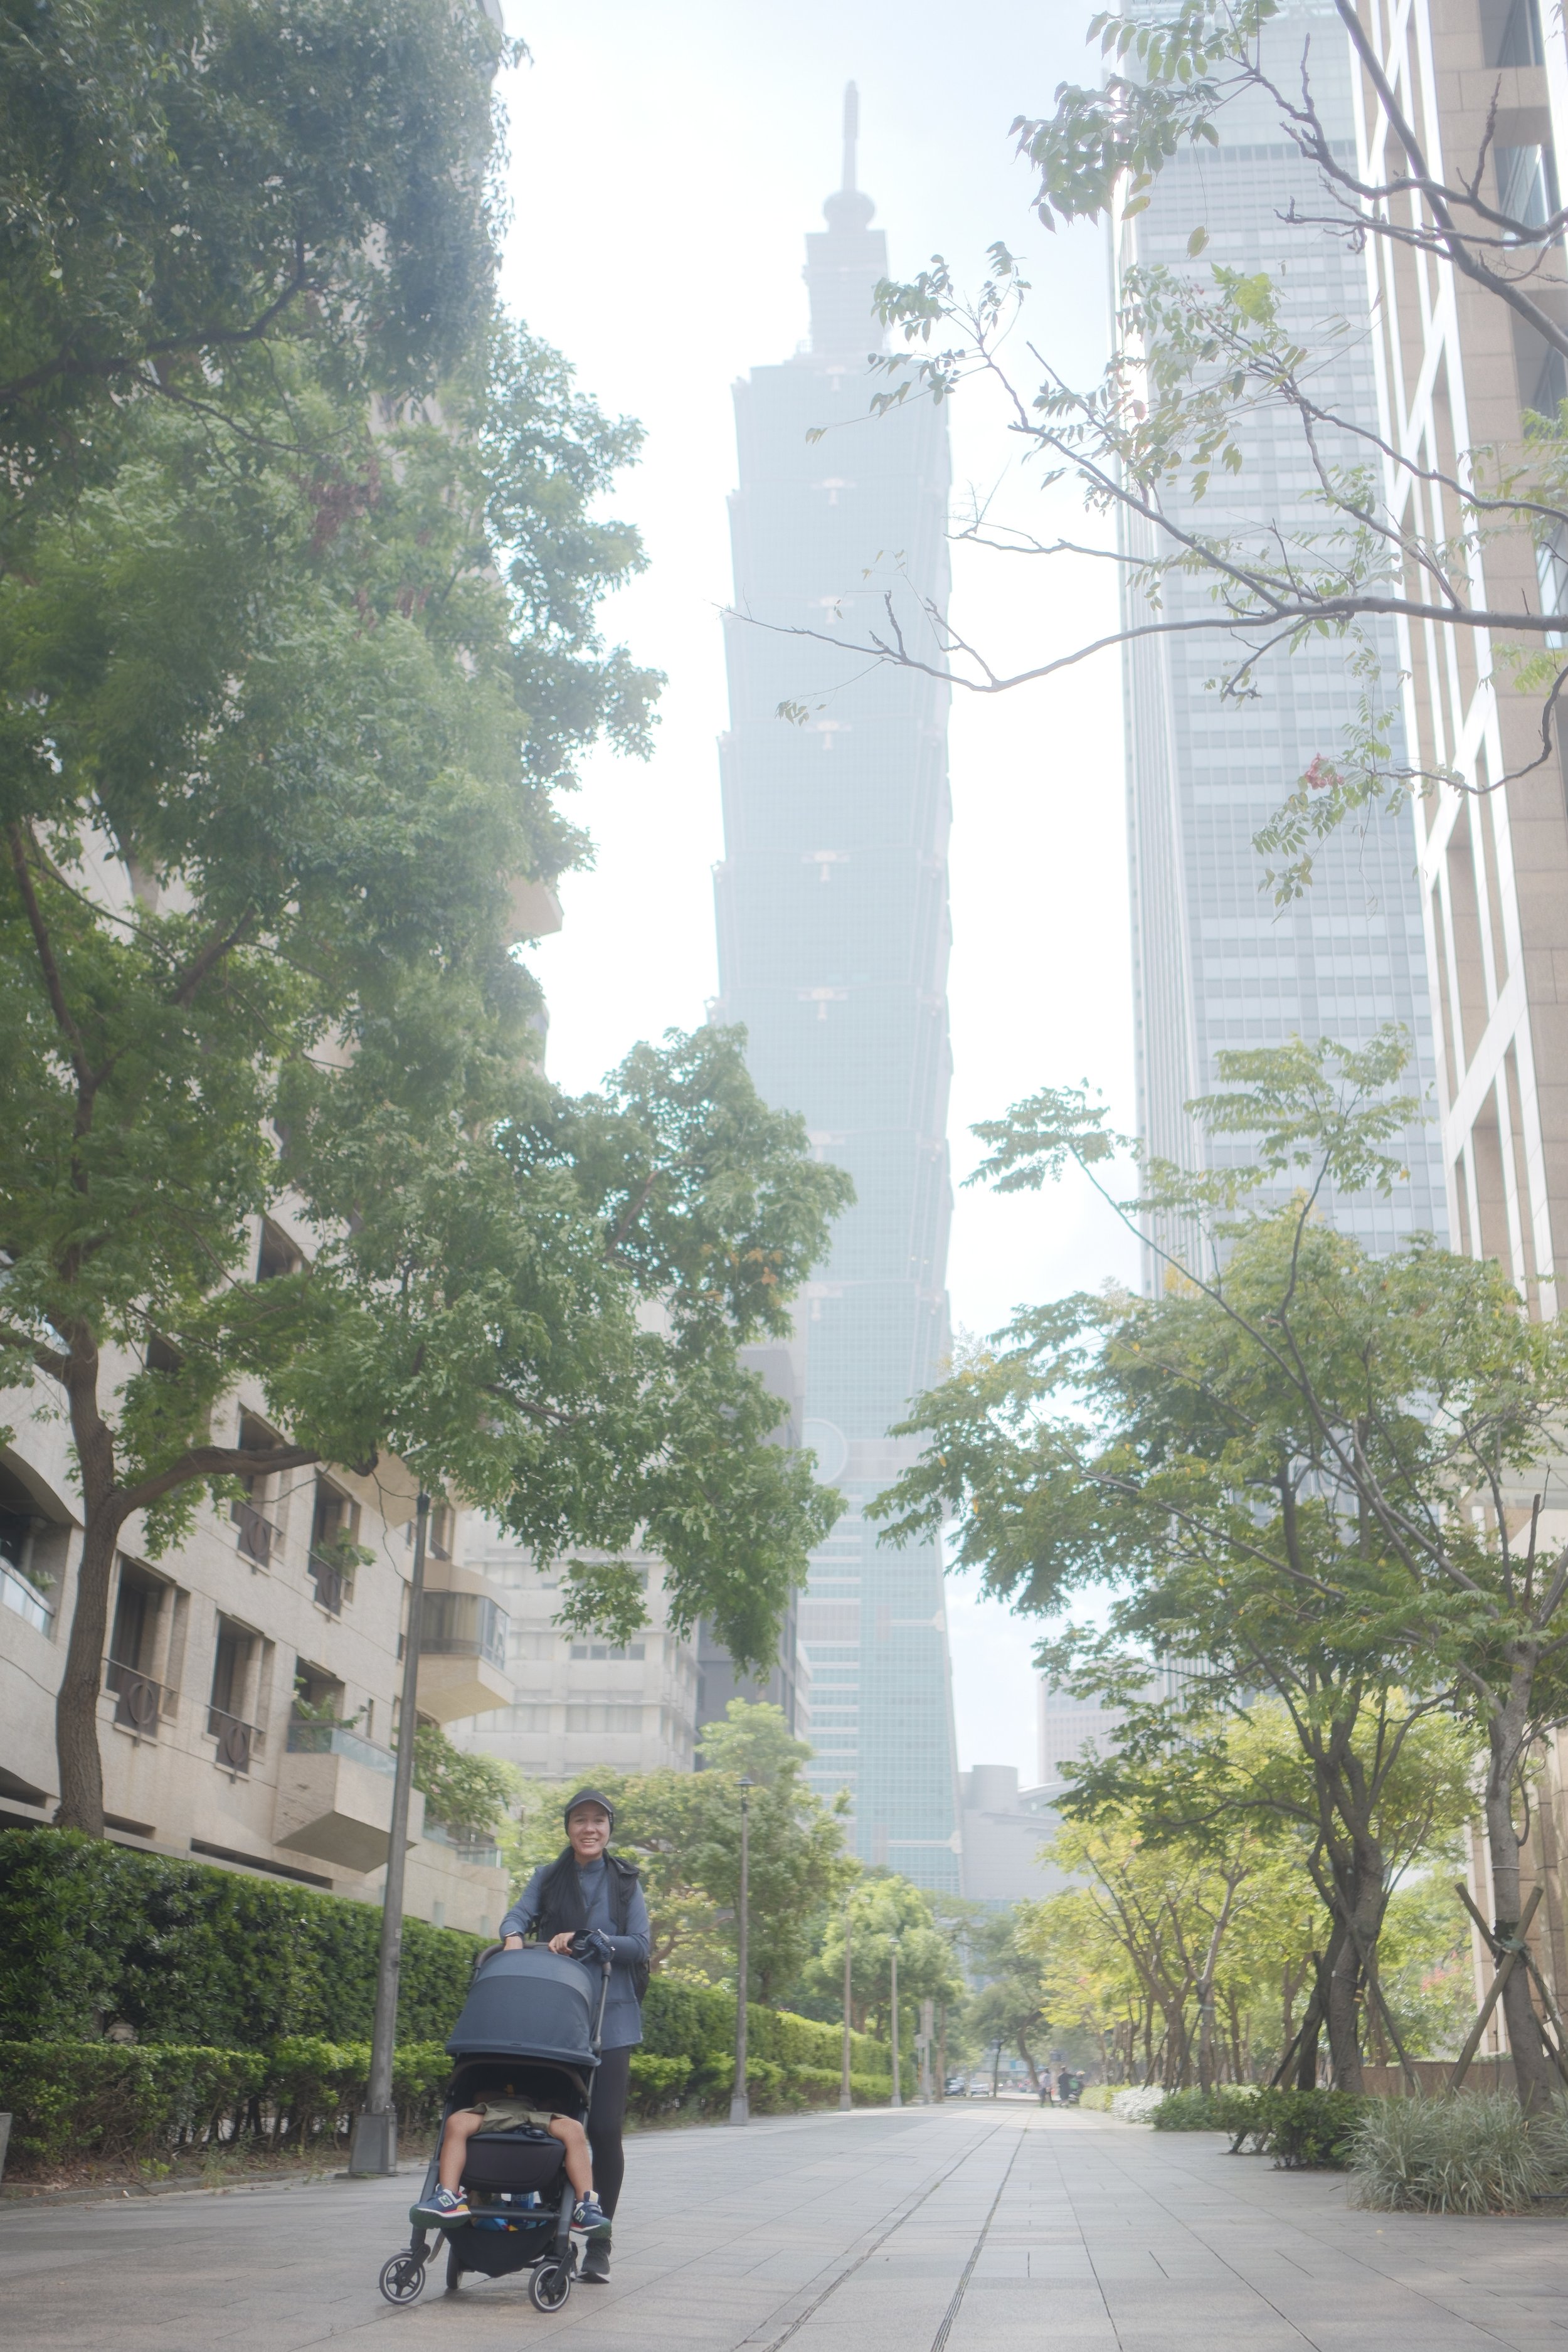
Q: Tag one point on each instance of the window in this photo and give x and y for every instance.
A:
(227, 1721)
(276, 1253)
(624, 1651)
(595, 1716)
(463, 1625)
(1511, 32)
(260, 1534)
(1551, 571)
(1526, 185)
(442, 1522)
(331, 1563)
(133, 1650)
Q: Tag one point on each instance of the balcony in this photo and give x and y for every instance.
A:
(334, 1798)
(139, 1700)
(29, 1602)
(258, 1539)
(479, 1854)
(331, 1584)
(462, 1655)
(237, 1741)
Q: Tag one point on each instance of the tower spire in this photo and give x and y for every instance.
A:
(851, 134)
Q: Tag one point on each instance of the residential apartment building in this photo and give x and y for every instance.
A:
(1456, 371)
(1216, 965)
(580, 1702)
(833, 930)
(252, 1675)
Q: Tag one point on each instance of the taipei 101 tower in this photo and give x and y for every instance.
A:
(833, 952)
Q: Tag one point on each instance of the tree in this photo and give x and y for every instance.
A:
(684, 1829)
(289, 684)
(467, 1793)
(1250, 1822)
(1011, 2005)
(882, 1910)
(188, 185)
(1203, 351)
(1308, 1470)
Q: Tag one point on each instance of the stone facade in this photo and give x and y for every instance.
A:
(581, 1702)
(206, 1753)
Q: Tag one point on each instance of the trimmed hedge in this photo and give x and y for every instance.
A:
(790, 2062)
(1300, 2130)
(186, 1953)
(141, 2101)
(220, 1974)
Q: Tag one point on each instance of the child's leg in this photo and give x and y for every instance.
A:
(460, 2129)
(579, 2163)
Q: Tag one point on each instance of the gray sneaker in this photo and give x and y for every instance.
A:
(596, 2267)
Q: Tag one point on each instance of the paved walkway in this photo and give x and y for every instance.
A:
(969, 2229)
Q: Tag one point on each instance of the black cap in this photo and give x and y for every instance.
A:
(588, 1797)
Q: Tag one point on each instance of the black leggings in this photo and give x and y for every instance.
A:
(606, 2116)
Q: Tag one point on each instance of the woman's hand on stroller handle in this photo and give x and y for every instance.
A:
(583, 1944)
(513, 1943)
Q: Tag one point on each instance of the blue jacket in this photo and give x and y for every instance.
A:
(623, 2014)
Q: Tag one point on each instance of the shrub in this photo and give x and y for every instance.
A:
(191, 1954)
(1097, 2097)
(1470, 2153)
(115, 2100)
(1306, 2129)
(1228, 2108)
(136, 2101)
(1135, 2103)
(656, 2084)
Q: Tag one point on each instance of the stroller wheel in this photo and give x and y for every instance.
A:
(403, 2278)
(549, 2286)
(454, 2270)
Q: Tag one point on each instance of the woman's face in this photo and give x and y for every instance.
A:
(589, 1832)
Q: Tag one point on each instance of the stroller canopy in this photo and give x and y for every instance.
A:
(531, 2003)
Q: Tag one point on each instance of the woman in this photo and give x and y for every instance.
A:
(588, 1890)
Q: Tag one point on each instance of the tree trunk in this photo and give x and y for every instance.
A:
(1343, 2023)
(76, 1707)
(1314, 2015)
(1533, 2072)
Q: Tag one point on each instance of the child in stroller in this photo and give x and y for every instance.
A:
(449, 2204)
(510, 2177)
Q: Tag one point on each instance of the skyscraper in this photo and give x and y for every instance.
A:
(833, 948)
(1216, 963)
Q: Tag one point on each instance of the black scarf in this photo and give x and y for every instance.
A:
(562, 1912)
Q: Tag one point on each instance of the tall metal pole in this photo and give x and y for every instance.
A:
(739, 2103)
(845, 2100)
(375, 2147)
(898, 2083)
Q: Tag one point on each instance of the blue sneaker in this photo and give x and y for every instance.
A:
(443, 2210)
(590, 2214)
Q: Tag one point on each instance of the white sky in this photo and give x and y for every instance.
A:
(667, 163)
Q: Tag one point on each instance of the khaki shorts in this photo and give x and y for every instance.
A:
(511, 2114)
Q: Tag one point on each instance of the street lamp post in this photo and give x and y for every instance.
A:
(739, 2104)
(374, 2150)
(845, 2101)
(898, 2085)
(923, 2043)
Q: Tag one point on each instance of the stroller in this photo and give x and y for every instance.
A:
(530, 2029)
